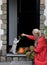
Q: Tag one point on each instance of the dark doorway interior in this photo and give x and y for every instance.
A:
(27, 18)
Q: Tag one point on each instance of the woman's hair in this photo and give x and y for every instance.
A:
(37, 33)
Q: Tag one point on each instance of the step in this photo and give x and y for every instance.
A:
(4, 63)
(21, 63)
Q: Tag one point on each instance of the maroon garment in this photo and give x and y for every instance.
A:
(41, 51)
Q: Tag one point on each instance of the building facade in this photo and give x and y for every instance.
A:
(3, 18)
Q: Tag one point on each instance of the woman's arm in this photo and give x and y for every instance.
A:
(29, 36)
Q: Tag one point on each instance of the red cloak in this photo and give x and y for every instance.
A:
(41, 50)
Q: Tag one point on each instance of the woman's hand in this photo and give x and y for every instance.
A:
(23, 34)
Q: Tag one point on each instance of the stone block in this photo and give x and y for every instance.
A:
(4, 52)
(9, 59)
(3, 37)
(42, 18)
(4, 21)
(4, 1)
(41, 26)
(41, 22)
(3, 58)
(41, 12)
(15, 59)
(4, 7)
(42, 7)
(3, 26)
(42, 31)
(4, 12)
(3, 16)
(5, 32)
(4, 47)
(42, 1)
(4, 42)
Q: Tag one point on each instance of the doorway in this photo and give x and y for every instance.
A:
(22, 17)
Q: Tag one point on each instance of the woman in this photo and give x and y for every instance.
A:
(40, 47)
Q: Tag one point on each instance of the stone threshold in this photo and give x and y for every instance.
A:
(15, 55)
(20, 57)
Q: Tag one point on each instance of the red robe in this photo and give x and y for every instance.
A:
(41, 51)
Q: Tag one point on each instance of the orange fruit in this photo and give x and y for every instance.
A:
(21, 50)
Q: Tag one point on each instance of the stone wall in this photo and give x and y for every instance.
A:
(3, 17)
(42, 17)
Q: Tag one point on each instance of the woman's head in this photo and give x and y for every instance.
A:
(36, 32)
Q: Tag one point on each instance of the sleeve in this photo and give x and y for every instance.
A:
(31, 37)
(38, 48)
